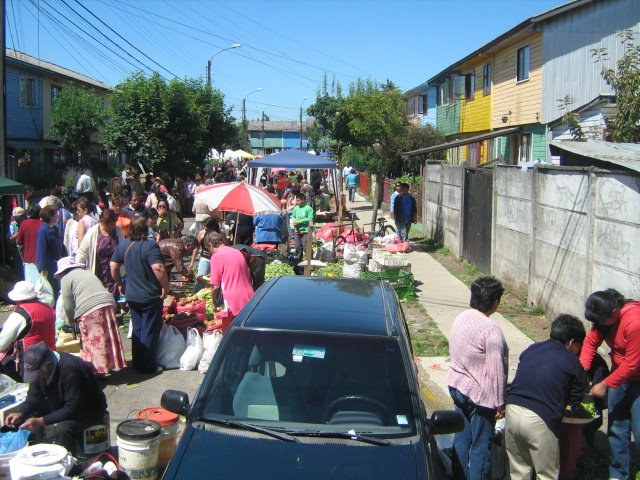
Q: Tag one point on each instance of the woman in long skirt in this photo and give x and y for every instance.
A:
(87, 301)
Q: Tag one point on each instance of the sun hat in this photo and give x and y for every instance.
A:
(22, 291)
(66, 263)
(18, 212)
(34, 359)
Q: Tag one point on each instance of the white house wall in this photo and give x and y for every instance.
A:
(592, 122)
(568, 64)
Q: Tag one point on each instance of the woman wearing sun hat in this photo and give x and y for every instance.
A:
(94, 309)
(29, 323)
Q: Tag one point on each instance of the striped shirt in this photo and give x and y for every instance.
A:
(479, 356)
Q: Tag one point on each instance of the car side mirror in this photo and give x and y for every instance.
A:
(175, 401)
(446, 421)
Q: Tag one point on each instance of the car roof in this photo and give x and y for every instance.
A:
(323, 304)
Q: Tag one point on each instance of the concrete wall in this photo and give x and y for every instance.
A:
(443, 204)
(558, 234)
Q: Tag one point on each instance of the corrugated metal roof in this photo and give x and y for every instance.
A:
(625, 155)
(53, 68)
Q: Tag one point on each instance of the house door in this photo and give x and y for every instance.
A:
(477, 215)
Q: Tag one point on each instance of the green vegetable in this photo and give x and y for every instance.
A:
(584, 409)
(277, 269)
(331, 270)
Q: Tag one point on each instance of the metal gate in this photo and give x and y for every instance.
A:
(476, 232)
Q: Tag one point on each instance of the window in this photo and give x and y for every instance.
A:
(525, 148)
(422, 105)
(458, 85)
(444, 92)
(524, 58)
(486, 79)
(27, 91)
(469, 85)
(55, 92)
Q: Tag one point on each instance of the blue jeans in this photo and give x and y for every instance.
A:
(352, 192)
(472, 446)
(402, 229)
(624, 417)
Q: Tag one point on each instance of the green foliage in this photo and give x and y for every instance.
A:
(625, 80)
(75, 115)
(571, 118)
(168, 125)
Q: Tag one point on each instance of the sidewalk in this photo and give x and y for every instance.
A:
(444, 297)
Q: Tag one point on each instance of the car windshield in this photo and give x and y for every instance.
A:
(311, 384)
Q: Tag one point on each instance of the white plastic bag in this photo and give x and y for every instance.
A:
(191, 356)
(171, 346)
(350, 254)
(61, 315)
(210, 342)
(44, 291)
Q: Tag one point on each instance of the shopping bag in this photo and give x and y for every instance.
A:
(45, 291)
(210, 342)
(191, 356)
(171, 346)
(12, 441)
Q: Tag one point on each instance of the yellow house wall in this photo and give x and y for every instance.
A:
(476, 113)
(523, 99)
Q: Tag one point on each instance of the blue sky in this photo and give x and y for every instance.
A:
(287, 45)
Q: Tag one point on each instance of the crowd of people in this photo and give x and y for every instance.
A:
(551, 375)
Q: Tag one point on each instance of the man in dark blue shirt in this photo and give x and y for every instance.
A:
(549, 377)
(405, 211)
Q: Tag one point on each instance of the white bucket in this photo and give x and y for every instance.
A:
(41, 461)
(138, 448)
(5, 471)
(169, 422)
(96, 438)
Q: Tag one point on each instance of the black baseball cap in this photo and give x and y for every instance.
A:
(34, 358)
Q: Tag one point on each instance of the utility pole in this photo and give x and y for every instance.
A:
(244, 122)
(235, 45)
(301, 121)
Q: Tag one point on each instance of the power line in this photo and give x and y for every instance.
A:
(121, 37)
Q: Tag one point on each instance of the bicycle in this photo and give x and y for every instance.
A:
(354, 236)
(383, 229)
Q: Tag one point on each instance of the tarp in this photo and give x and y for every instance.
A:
(292, 158)
(242, 154)
(10, 187)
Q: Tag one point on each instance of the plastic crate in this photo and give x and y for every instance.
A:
(400, 280)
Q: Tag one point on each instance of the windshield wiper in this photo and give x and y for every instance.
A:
(251, 427)
(346, 435)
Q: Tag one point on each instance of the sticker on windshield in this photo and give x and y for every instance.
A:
(402, 420)
(300, 351)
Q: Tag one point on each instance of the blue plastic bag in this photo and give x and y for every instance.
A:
(13, 441)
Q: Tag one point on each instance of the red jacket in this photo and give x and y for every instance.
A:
(623, 339)
(43, 325)
(27, 236)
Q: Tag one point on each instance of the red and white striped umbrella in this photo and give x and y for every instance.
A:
(239, 197)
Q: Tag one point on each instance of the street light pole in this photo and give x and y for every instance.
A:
(303, 100)
(235, 45)
(244, 115)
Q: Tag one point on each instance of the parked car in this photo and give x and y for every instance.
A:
(315, 378)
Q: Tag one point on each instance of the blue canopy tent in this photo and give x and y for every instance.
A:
(296, 159)
(292, 158)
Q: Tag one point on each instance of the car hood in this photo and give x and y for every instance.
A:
(242, 455)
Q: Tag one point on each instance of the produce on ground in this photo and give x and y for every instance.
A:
(276, 269)
(330, 270)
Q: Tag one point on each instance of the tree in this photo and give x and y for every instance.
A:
(625, 81)
(415, 138)
(77, 114)
(377, 122)
(170, 127)
(138, 118)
